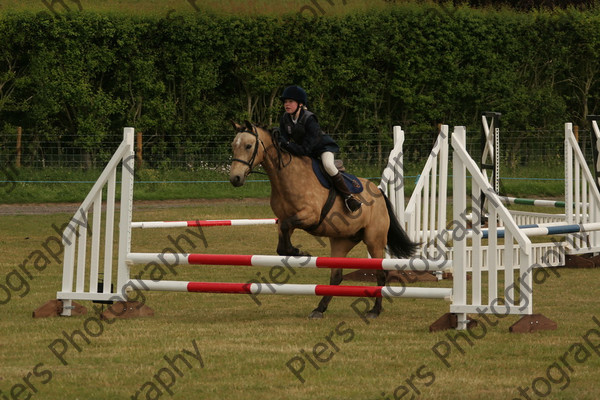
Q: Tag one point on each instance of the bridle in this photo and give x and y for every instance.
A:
(250, 163)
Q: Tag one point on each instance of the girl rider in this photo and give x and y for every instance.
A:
(301, 135)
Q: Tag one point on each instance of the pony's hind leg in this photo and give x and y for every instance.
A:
(339, 248)
(381, 280)
(376, 248)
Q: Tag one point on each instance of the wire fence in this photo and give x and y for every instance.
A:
(358, 150)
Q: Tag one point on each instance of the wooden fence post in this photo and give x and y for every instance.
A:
(18, 159)
(138, 151)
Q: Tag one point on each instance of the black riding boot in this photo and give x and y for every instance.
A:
(352, 204)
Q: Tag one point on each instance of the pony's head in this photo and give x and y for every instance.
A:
(248, 152)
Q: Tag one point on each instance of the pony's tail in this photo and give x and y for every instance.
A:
(398, 243)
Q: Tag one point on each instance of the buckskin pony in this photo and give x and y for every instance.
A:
(299, 201)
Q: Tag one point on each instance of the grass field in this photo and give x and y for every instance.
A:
(175, 7)
(229, 347)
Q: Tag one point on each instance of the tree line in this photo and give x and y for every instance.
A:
(181, 79)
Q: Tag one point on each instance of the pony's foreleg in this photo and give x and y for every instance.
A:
(339, 248)
(335, 279)
(284, 245)
(286, 226)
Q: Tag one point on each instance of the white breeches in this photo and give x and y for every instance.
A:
(327, 160)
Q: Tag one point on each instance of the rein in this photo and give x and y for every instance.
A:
(280, 152)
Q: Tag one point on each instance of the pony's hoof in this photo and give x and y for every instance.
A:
(293, 252)
(372, 315)
(297, 253)
(315, 315)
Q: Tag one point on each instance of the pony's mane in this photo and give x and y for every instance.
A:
(267, 129)
(274, 134)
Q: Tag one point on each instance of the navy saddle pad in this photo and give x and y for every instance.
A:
(352, 182)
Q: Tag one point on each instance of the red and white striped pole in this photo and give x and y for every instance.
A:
(389, 264)
(204, 223)
(292, 289)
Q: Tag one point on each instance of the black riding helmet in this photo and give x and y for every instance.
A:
(295, 93)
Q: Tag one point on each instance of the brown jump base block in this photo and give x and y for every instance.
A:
(582, 261)
(533, 323)
(54, 308)
(127, 309)
(450, 321)
(527, 323)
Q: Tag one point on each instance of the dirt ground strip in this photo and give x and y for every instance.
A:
(70, 208)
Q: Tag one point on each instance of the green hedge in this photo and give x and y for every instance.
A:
(181, 79)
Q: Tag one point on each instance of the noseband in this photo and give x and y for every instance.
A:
(250, 163)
